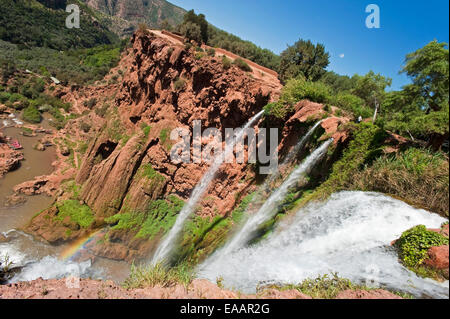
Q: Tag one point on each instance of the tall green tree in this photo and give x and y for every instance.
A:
(200, 20)
(191, 31)
(371, 87)
(421, 109)
(304, 59)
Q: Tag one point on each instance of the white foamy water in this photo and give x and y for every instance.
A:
(48, 267)
(166, 246)
(349, 234)
(269, 209)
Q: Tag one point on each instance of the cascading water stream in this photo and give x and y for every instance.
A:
(292, 153)
(269, 208)
(350, 234)
(166, 245)
(266, 188)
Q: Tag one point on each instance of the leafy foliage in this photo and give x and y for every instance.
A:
(414, 244)
(81, 214)
(32, 115)
(150, 276)
(303, 58)
(421, 109)
(242, 65)
(418, 176)
(48, 27)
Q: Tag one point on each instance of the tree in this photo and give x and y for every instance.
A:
(428, 69)
(191, 31)
(371, 87)
(421, 109)
(199, 20)
(339, 83)
(304, 58)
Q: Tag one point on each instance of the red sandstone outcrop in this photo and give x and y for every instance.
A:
(163, 86)
(9, 158)
(198, 289)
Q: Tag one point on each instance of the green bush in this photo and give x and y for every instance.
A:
(299, 89)
(276, 109)
(211, 52)
(417, 176)
(15, 97)
(90, 103)
(226, 62)
(179, 84)
(32, 115)
(80, 214)
(4, 97)
(353, 104)
(242, 65)
(414, 243)
(296, 90)
(150, 276)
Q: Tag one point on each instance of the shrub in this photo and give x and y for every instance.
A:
(276, 109)
(300, 89)
(101, 111)
(4, 97)
(90, 103)
(15, 97)
(211, 52)
(80, 214)
(150, 276)
(353, 104)
(85, 127)
(242, 65)
(179, 84)
(226, 62)
(199, 55)
(32, 115)
(418, 176)
(414, 243)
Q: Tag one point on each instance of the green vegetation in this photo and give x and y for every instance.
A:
(226, 62)
(413, 246)
(81, 66)
(195, 27)
(164, 138)
(414, 243)
(325, 287)
(179, 84)
(201, 237)
(421, 109)
(32, 115)
(364, 147)
(238, 212)
(418, 176)
(80, 214)
(242, 65)
(156, 219)
(48, 28)
(158, 275)
(303, 59)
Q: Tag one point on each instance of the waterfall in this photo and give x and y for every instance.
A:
(166, 246)
(269, 209)
(266, 187)
(349, 234)
(297, 148)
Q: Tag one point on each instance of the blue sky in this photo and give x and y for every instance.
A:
(339, 25)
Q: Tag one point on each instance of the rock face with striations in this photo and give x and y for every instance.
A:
(127, 164)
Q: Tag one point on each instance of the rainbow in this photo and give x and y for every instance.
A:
(78, 245)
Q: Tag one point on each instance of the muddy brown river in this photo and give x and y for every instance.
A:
(41, 259)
